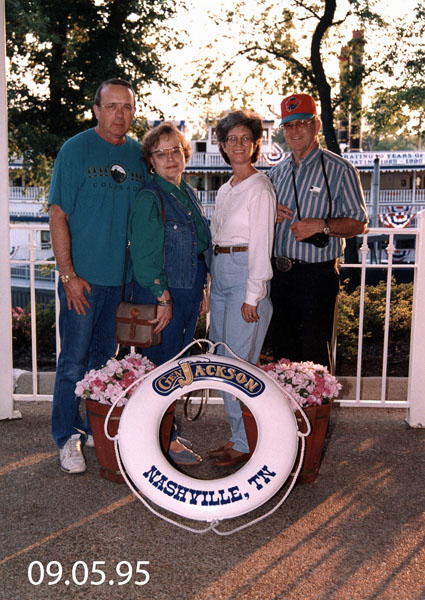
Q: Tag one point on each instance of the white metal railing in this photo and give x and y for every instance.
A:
(416, 384)
(207, 197)
(23, 272)
(397, 197)
(211, 160)
(26, 193)
(368, 260)
(32, 264)
(30, 200)
(385, 209)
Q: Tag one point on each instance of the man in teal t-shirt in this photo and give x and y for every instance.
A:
(97, 175)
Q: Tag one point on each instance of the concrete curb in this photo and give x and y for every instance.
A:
(370, 386)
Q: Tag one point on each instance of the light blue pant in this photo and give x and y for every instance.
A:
(229, 275)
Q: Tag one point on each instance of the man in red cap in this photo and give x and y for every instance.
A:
(320, 203)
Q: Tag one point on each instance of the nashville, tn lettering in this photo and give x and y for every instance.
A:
(182, 493)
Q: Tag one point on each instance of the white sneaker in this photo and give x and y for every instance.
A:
(71, 456)
(89, 441)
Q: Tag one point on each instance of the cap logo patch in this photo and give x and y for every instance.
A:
(292, 103)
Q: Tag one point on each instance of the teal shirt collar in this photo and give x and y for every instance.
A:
(169, 187)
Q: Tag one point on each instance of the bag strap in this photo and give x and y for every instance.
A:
(127, 250)
(327, 185)
(127, 256)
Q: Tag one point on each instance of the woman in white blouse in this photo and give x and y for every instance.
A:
(242, 230)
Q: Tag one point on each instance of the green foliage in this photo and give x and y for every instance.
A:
(374, 321)
(391, 143)
(400, 110)
(45, 327)
(291, 47)
(59, 53)
(297, 46)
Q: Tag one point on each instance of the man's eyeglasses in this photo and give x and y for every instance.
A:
(114, 106)
(233, 140)
(165, 153)
(298, 124)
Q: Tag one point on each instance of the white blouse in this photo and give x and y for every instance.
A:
(245, 215)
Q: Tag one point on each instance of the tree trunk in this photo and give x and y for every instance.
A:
(322, 84)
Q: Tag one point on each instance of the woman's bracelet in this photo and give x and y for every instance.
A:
(165, 302)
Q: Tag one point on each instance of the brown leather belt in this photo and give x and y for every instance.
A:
(229, 249)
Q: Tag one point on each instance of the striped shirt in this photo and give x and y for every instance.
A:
(346, 193)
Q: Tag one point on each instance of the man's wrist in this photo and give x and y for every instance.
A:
(326, 227)
(66, 278)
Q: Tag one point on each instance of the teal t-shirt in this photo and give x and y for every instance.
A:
(95, 184)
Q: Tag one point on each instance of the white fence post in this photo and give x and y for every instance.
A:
(6, 394)
(416, 386)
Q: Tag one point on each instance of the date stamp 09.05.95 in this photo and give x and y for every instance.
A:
(83, 573)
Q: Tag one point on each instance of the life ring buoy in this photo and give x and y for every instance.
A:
(208, 500)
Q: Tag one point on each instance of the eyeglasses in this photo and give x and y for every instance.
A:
(114, 106)
(165, 153)
(299, 124)
(233, 140)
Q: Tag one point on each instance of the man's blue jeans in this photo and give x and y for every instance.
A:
(87, 342)
(229, 276)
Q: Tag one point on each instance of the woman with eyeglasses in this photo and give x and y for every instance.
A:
(242, 231)
(169, 237)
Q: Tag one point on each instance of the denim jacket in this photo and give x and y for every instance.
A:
(181, 253)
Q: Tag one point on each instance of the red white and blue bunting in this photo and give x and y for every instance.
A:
(274, 158)
(397, 217)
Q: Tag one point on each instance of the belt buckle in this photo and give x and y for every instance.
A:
(216, 247)
(283, 263)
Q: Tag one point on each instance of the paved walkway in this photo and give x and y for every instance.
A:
(357, 532)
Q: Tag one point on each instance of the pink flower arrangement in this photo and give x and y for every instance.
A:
(21, 320)
(309, 384)
(106, 384)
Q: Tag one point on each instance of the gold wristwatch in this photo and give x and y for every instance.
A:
(67, 278)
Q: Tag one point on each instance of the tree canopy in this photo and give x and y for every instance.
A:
(399, 109)
(296, 47)
(59, 53)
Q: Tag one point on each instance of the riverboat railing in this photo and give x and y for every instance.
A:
(415, 403)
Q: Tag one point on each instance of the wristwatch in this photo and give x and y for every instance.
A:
(66, 278)
(326, 228)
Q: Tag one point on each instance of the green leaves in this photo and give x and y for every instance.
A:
(59, 53)
(373, 326)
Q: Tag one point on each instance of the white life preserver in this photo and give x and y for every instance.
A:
(208, 500)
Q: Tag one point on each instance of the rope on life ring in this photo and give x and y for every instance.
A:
(188, 402)
(149, 474)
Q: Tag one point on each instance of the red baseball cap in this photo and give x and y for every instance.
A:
(297, 106)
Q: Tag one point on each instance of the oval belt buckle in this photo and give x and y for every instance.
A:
(283, 263)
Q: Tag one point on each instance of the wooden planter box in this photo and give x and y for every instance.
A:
(105, 450)
(319, 420)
